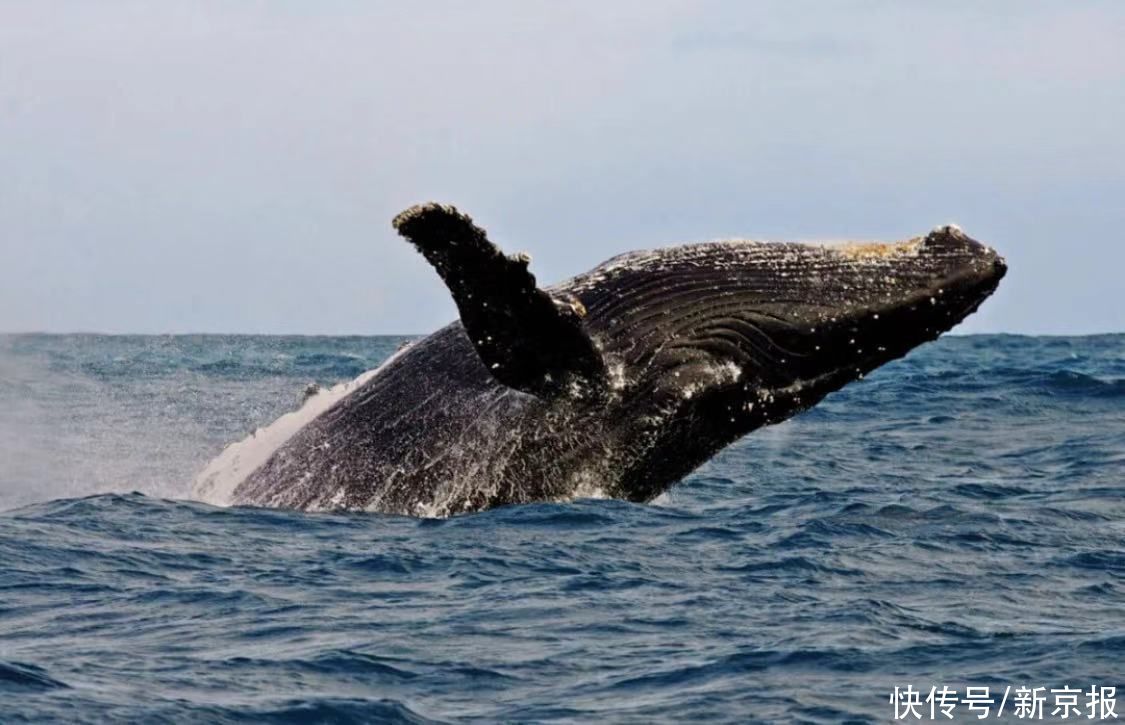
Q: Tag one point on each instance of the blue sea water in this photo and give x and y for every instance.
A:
(957, 518)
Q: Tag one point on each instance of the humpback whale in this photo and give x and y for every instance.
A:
(617, 382)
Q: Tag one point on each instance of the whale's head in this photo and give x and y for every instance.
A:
(709, 341)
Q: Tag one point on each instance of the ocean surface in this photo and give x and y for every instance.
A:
(956, 519)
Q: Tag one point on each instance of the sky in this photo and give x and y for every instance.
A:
(234, 166)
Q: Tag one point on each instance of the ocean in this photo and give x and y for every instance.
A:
(956, 520)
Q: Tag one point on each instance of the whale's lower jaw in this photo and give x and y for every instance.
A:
(618, 382)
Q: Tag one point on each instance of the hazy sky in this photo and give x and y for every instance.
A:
(234, 166)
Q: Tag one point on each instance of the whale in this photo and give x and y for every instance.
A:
(616, 383)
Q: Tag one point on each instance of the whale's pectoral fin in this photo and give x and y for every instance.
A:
(529, 339)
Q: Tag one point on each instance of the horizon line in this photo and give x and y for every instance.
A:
(95, 333)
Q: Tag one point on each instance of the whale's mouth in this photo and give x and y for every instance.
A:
(945, 277)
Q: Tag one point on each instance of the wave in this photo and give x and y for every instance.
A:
(17, 676)
(341, 711)
(1070, 383)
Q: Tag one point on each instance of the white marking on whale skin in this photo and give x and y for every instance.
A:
(216, 483)
(586, 486)
(337, 499)
(718, 373)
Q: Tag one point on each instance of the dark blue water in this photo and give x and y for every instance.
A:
(957, 518)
